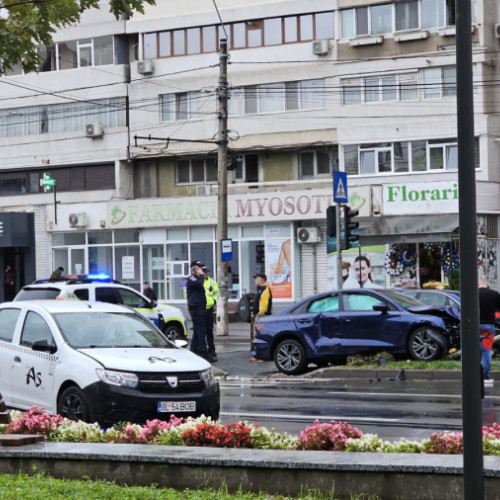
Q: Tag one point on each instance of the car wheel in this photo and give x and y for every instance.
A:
(72, 404)
(174, 332)
(290, 357)
(422, 346)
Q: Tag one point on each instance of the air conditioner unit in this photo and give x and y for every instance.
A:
(308, 235)
(497, 30)
(77, 220)
(145, 67)
(321, 47)
(94, 129)
(203, 190)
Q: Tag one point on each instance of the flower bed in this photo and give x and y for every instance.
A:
(335, 436)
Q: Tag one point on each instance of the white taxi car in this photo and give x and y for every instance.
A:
(101, 288)
(98, 362)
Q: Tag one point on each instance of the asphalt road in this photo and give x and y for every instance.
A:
(392, 409)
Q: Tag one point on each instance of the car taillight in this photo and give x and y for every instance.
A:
(497, 315)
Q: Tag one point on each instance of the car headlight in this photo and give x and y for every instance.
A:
(121, 379)
(209, 378)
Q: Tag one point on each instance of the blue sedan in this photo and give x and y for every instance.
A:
(340, 323)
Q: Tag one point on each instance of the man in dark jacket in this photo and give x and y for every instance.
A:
(197, 303)
(148, 291)
(489, 303)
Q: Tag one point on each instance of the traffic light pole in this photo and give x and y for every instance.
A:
(340, 281)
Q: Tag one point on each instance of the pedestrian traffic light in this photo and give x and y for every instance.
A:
(331, 222)
(350, 239)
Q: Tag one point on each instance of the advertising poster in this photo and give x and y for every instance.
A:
(279, 268)
(128, 272)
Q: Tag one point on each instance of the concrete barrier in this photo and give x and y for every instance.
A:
(387, 475)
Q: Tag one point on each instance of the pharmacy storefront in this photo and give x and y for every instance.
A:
(156, 239)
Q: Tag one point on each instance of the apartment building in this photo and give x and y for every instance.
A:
(123, 115)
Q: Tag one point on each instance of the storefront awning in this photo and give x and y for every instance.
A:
(410, 229)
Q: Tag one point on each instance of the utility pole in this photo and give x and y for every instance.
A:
(222, 266)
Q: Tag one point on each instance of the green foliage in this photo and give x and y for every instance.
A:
(454, 280)
(42, 486)
(27, 25)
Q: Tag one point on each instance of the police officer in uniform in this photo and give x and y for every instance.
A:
(212, 295)
(197, 303)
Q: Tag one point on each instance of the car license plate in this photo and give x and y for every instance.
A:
(169, 406)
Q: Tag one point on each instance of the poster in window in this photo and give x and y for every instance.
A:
(279, 268)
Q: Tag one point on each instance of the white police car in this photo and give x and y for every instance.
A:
(101, 288)
(98, 362)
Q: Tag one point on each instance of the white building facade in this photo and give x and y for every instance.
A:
(123, 116)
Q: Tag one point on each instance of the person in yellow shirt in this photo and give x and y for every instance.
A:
(212, 294)
(263, 301)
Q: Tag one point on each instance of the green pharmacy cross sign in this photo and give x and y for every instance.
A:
(47, 183)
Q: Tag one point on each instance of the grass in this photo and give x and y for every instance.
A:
(385, 360)
(42, 486)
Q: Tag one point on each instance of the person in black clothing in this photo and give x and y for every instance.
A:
(9, 283)
(197, 303)
(489, 303)
(148, 291)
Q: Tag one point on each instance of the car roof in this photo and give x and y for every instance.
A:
(58, 306)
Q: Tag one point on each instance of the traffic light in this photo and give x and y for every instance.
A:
(331, 222)
(350, 239)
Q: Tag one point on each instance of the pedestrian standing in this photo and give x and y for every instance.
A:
(197, 304)
(263, 300)
(9, 283)
(212, 295)
(148, 291)
(489, 303)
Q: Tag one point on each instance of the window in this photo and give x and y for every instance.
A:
(359, 302)
(408, 87)
(442, 156)
(272, 31)
(381, 19)
(313, 164)
(324, 25)
(375, 158)
(247, 169)
(439, 82)
(67, 179)
(196, 170)
(432, 12)
(35, 329)
(180, 106)
(325, 304)
(401, 157)
(8, 320)
(277, 97)
(406, 15)
(381, 89)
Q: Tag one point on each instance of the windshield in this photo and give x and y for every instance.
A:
(38, 293)
(101, 329)
(403, 299)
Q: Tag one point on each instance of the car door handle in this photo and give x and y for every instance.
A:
(346, 320)
(304, 321)
(17, 359)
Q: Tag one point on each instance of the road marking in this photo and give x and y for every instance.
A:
(288, 416)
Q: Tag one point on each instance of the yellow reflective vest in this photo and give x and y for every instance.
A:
(211, 291)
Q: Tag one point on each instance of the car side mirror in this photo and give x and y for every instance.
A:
(153, 304)
(43, 346)
(383, 308)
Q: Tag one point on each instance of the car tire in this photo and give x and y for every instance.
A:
(72, 404)
(290, 357)
(174, 332)
(422, 346)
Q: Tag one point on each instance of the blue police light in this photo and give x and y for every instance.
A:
(99, 276)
